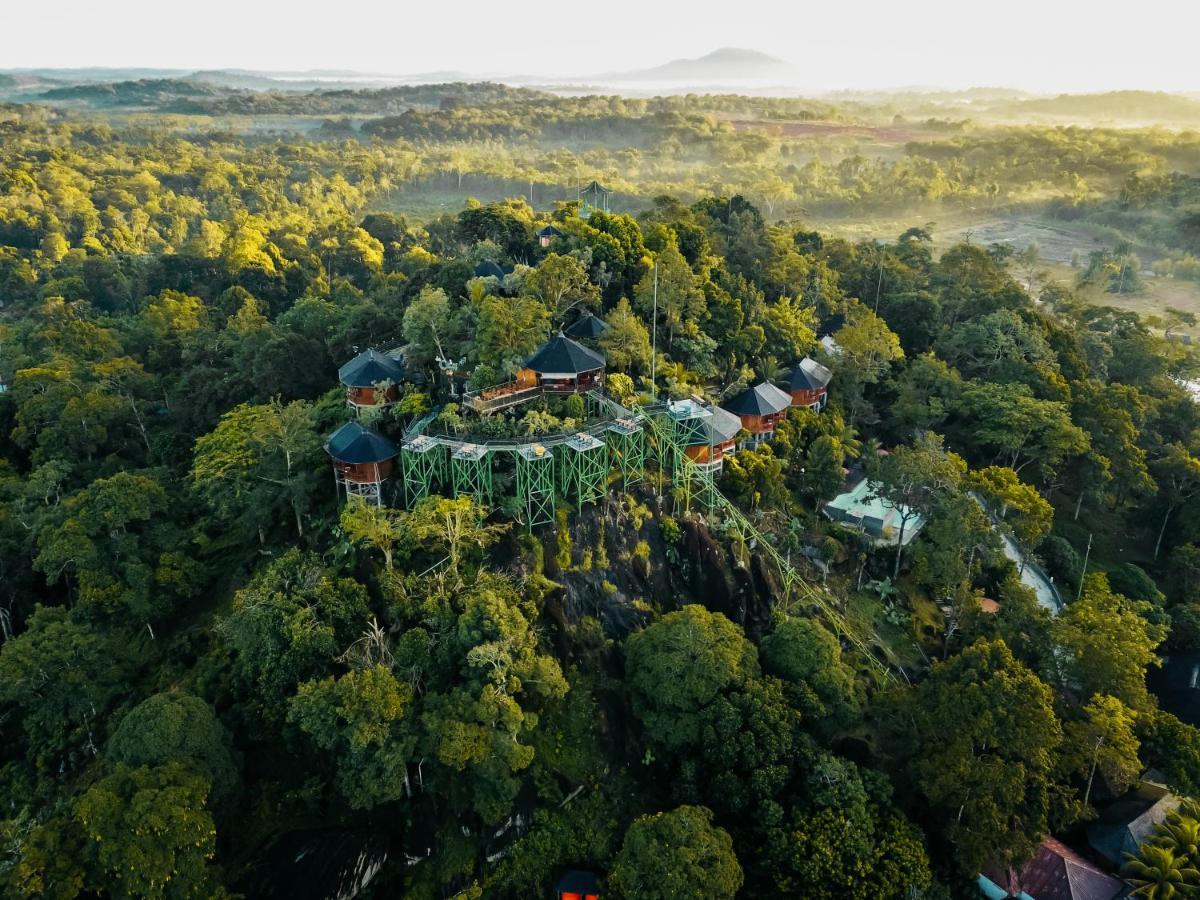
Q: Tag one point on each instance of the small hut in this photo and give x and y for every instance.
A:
(808, 383)
(586, 328)
(761, 408)
(576, 884)
(723, 427)
(547, 235)
(491, 269)
(563, 366)
(371, 379)
(362, 460)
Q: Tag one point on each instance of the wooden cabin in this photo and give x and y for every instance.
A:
(760, 408)
(563, 366)
(808, 383)
(723, 427)
(362, 460)
(547, 235)
(371, 379)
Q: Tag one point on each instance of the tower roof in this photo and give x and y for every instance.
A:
(808, 375)
(561, 355)
(587, 326)
(369, 368)
(354, 443)
(724, 425)
(763, 399)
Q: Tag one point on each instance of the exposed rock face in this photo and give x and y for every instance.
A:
(643, 565)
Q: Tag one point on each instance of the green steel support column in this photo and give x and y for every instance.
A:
(627, 440)
(585, 460)
(471, 473)
(420, 467)
(535, 484)
(691, 426)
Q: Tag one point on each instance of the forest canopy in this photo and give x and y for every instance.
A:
(218, 679)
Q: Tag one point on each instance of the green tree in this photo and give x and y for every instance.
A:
(1107, 644)
(626, 342)
(679, 665)
(1104, 741)
(676, 854)
(360, 719)
(287, 626)
(1007, 423)
(174, 727)
(912, 480)
(808, 657)
(1156, 873)
(561, 283)
(257, 460)
(679, 297)
(508, 331)
(1178, 474)
(1019, 505)
(823, 467)
(992, 793)
(149, 834)
(63, 678)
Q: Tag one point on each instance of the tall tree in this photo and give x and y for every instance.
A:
(676, 854)
(990, 792)
(912, 480)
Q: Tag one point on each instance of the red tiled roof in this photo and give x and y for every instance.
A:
(1057, 872)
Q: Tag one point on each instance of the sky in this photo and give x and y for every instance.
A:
(1041, 45)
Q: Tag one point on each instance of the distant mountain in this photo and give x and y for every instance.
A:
(729, 64)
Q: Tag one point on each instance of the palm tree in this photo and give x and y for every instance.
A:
(1158, 874)
(1181, 835)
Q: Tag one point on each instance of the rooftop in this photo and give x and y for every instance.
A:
(587, 326)
(808, 375)
(860, 503)
(763, 399)
(561, 355)
(1128, 821)
(1057, 872)
(355, 444)
(370, 368)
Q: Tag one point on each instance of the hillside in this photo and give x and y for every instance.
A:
(725, 65)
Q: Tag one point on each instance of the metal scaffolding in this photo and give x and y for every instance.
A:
(421, 465)
(535, 484)
(627, 441)
(471, 472)
(691, 426)
(584, 468)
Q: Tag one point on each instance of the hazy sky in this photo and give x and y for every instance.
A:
(1049, 45)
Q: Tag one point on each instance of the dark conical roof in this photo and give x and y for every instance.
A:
(761, 400)
(355, 443)
(369, 368)
(560, 355)
(487, 269)
(808, 375)
(587, 326)
(549, 231)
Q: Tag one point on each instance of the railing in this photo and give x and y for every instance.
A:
(501, 397)
(796, 586)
